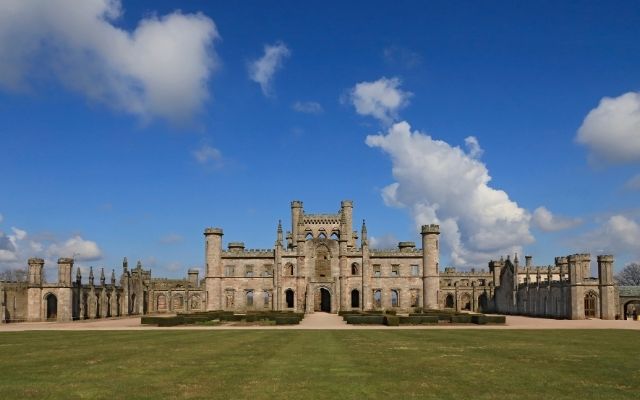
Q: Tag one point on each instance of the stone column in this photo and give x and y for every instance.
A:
(607, 289)
(213, 267)
(430, 265)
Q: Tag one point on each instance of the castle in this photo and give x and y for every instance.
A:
(322, 264)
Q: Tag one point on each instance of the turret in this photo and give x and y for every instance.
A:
(527, 261)
(605, 269)
(279, 234)
(125, 265)
(193, 277)
(91, 276)
(35, 271)
(113, 277)
(562, 263)
(297, 213)
(364, 239)
(102, 279)
(346, 211)
(65, 265)
(78, 276)
(430, 265)
(213, 251)
(607, 289)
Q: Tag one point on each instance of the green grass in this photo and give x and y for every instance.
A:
(295, 364)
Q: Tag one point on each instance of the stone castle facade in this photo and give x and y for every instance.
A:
(322, 264)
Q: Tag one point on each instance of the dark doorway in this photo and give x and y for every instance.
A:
(52, 307)
(288, 294)
(325, 300)
(448, 302)
(483, 303)
(355, 298)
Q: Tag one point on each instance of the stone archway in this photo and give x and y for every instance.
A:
(289, 298)
(631, 308)
(52, 307)
(590, 305)
(325, 300)
(448, 301)
(355, 298)
(465, 302)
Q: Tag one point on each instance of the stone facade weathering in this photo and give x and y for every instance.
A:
(322, 264)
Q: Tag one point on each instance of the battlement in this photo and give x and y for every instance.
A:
(213, 231)
(321, 219)
(296, 204)
(432, 228)
(579, 257)
(452, 271)
(65, 260)
(193, 271)
(236, 246)
(346, 203)
(561, 260)
(605, 258)
(257, 253)
(406, 252)
(35, 260)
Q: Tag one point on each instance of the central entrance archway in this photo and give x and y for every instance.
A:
(325, 300)
(52, 307)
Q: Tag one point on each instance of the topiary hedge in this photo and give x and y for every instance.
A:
(495, 319)
(365, 319)
(391, 320)
(418, 320)
(460, 319)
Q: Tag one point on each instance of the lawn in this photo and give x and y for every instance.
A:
(292, 364)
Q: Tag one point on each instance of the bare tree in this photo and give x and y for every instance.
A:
(629, 276)
(13, 274)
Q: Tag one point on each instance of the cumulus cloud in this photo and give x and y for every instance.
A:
(547, 221)
(262, 70)
(443, 184)
(473, 147)
(307, 107)
(209, 156)
(142, 72)
(76, 247)
(618, 235)
(611, 131)
(381, 99)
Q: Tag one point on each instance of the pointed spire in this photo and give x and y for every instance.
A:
(363, 238)
(102, 276)
(515, 259)
(78, 273)
(279, 238)
(125, 264)
(91, 276)
(113, 277)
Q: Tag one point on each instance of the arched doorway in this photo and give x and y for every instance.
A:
(590, 301)
(355, 298)
(52, 307)
(465, 301)
(325, 300)
(448, 301)
(631, 308)
(483, 303)
(288, 296)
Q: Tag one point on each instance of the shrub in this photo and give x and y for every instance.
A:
(365, 319)
(286, 320)
(460, 319)
(151, 320)
(390, 312)
(375, 312)
(479, 319)
(419, 319)
(171, 321)
(391, 320)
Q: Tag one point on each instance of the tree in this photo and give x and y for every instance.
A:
(629, 276)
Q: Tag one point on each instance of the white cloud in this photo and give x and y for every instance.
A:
(442, 184)
(381, 99)
(77, 248)
(307, 107)
(633, 183)
(160, 69)
(210, 156)
(475, 151)
(618, 235)
(611, 131)
(387, 241)
(546, 221)
(263, 69)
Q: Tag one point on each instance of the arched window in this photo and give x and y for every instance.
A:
(335, 235)
(590, 302)
(395, 298)
(448, 302)
(377, 298)
(322, 235)
(354, 269)
(355, 298)
(178, 301)
(466, 302)
(309, 236)
(288, 294)
(288, 269)
(249, 298)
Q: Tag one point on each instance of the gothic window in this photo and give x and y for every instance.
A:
(228, 270)
(322, 235)
(288, 269)
(249, 298)
(355, 298)
(229, 299)
(161, 302)
(248, 271)
(323, 262)
(335, 236)
(265, 296)
(415, 270)
(376, 270)
(448, 302)
(395, 298)
(354, 269)
(178, 301)
(377, 298)
(268, 270)
(395, 270)
(415, 298)
(309, 236)
(590, 301)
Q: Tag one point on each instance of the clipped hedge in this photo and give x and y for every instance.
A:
(391, 320)
(287, 320)
(365, 319)
(479, 319)
(460, 319)
(171, 321)
(495, 319)
(418, 320)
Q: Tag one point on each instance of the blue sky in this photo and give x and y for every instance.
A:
(127, 128)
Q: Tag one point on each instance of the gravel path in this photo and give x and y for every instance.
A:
(321, 321)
